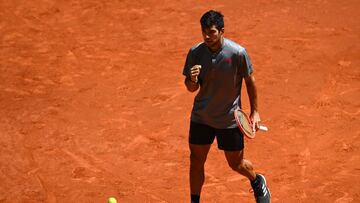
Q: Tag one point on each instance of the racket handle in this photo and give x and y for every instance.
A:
(263, 128)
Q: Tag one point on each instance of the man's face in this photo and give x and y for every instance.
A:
(212, 36)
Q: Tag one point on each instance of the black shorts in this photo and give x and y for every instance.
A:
(228, 139)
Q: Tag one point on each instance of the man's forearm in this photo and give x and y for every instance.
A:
(252, 93)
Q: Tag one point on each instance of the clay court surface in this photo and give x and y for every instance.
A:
(92, 101)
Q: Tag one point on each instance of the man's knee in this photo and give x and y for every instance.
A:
(197, 161)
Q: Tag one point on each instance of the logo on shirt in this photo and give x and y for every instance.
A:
(228, 60)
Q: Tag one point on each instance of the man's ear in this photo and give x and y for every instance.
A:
(222, 30)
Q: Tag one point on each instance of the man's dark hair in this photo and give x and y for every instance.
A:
(211, 18)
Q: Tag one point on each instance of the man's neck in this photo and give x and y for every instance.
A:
(218, 47)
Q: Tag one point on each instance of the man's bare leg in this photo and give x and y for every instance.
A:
(198, 155)
(237, 162)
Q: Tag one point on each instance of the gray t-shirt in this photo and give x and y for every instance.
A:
(220, 82)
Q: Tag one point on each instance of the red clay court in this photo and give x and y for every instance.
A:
(92, 101)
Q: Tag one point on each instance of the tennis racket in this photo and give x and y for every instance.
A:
(245, 125)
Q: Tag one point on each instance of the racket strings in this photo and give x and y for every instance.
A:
(244, 123)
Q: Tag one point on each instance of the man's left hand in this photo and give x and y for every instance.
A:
(255, 120)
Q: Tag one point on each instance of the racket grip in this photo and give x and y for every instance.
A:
(263, 128)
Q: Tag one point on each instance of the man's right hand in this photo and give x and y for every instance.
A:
(194, 73)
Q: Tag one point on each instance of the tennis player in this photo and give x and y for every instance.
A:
(217, 67)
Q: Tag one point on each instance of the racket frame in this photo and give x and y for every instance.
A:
(252, 136)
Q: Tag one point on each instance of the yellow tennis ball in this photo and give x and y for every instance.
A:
(112, 200)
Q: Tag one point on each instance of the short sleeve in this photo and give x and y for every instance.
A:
(246, 68)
